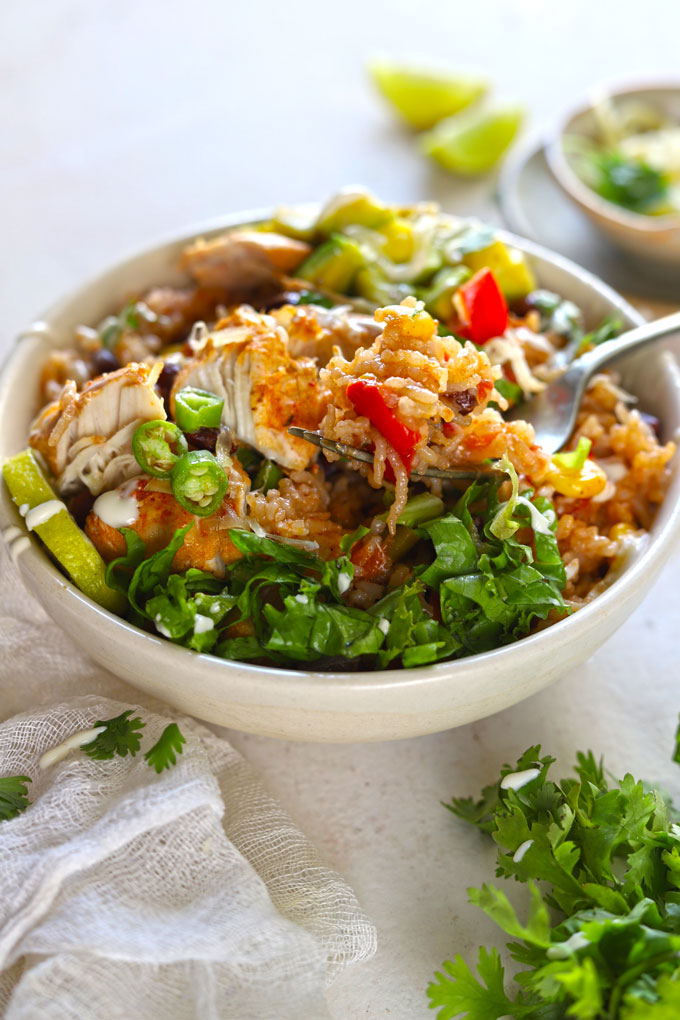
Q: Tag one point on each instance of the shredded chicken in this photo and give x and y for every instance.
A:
(86, 438)
(246, 361)
(315, 332)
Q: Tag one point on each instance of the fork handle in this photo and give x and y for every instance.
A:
(628, 341)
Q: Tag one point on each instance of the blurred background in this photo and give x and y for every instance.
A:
(123, 121)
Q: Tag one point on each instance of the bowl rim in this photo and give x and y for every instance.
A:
(572, 184)
(301, 682)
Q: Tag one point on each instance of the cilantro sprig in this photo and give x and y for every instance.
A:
(13, 796)
(120, 737)
(163, 753)
(602, 935)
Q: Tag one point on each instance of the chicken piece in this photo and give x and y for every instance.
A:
(247, 362)
(206, 546)
(243, 261)
(85, 438)
(315, 332)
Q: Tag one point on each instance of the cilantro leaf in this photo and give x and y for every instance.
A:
(120, 737)
(163, 753)
(13, 796)
(665, 1007)
(458, 992)
(676, 752)
(602, 938)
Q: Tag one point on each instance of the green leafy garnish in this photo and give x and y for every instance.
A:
(630, 183)
(556, 314)
(280, 603)
(13, 796)
(573, 460)
(312, 297)
(163, 753)
(602, 935)
(120, 737)
(131, 316)
(458, 991)
(609, 329)
(510, 390)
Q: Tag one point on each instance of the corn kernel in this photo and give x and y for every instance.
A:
(620, 531)
(585, 483)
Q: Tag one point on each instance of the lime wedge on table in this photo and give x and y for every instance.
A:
(424, 97)
(473, 141)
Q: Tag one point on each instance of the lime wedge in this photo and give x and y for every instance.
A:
(473, 141)
(423, 97)
(69, 545)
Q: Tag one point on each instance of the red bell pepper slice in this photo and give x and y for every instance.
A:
(482, 307)
(368, 400)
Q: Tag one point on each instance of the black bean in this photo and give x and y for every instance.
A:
(465, 400)
(104, 360)
(203, 439)
(166, 380)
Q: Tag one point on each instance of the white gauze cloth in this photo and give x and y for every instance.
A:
(126, 894)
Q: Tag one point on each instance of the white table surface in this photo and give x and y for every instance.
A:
(124, 120)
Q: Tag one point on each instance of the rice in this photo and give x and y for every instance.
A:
(422, 376)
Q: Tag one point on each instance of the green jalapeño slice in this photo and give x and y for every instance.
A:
(198, 483)
(157, 446)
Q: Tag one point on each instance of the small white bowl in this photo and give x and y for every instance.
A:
(306, 704)
(651, 237)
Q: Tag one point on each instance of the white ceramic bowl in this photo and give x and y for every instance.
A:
(652, 237)
(304, 704)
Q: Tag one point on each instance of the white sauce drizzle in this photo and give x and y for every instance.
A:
(160, 627)
(516, 780)
(302, 599)
(383, 625)
(117, 508)
(344, 581)
(521, 850)
(56, 754)
(41, 514)
(202, 624)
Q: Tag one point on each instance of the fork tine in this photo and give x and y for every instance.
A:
(353, 453)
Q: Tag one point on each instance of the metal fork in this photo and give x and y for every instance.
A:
(354, 453)
(552, 412)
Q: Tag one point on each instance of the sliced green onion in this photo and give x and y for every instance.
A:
(401, 543)
(268, 476)
(420, 509)
(573, 460)
(197, 409)
(248, 458)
